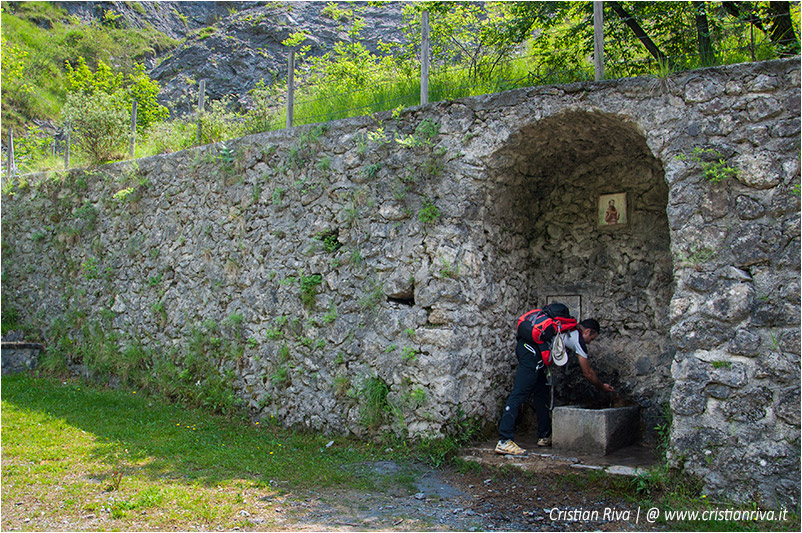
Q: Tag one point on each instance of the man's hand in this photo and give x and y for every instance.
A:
(590, 375)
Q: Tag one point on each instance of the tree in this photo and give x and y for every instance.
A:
(705, 44)
(91, 91)
(146, 92)
(689, 34)
(641, 34)
(82, 79)
(478, 35)
(771, 18)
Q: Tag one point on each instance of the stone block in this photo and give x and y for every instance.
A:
(20, 356)
(594, 431)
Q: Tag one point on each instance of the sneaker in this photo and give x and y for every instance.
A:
(508, 447)
(545, 441)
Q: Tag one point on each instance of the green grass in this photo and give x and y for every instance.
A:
(72, 449)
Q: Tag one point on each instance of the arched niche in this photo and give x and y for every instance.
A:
(551, 183)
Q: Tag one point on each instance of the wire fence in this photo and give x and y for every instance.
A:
(653, 42)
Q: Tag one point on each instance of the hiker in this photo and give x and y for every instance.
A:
(531, 376)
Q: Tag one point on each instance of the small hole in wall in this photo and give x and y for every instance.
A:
(330, 240)
(403, 301)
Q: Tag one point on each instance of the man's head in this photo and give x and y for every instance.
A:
(589, 329)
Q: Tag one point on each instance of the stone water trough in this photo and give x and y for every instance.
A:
(595, 431)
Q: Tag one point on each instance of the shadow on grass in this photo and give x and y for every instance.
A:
(168, 441)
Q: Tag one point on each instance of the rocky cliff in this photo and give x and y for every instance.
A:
(234, 45)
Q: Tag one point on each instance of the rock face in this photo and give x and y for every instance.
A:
(235, 45)
(394, 254)
(245, 47)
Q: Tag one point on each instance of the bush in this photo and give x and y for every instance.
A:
(146, 91)
(263, 115)
(219, 123)
(167, 137)
(99, 124)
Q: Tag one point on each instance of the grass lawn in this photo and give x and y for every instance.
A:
(73, 453)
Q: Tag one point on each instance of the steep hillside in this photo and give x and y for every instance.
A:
(245, 47)
(232, 45)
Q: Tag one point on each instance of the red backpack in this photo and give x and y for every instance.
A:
(540, 326)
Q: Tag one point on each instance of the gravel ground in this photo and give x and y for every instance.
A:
(547, 498)
(447, 500)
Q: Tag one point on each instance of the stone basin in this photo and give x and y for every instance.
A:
(594, 431)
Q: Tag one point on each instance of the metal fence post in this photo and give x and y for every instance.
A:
(290, 88)
(11, 165)
(598, 39)
(424, 59)
(133, 128)
(201, 95)
(67, 148)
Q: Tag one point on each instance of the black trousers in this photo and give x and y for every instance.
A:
(528, 380)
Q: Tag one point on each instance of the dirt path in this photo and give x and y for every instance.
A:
(552, 496)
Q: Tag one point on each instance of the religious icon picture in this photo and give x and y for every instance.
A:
(612, 210)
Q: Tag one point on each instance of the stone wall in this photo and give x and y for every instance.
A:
(431, 232)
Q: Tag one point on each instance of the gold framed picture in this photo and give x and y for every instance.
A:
(612, 212)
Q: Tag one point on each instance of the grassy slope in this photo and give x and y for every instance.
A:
(50, 37)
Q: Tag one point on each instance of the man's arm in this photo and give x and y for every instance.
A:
(591, 376)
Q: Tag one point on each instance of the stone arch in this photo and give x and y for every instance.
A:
(548, 179)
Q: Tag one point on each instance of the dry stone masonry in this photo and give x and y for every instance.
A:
(365, 275)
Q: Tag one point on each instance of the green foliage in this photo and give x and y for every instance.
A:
(330, 240)
(50, 38)
(99, 124)
(664, 433)
(9, 318)
(309, 287)
(371, 170)
(373, 295)
(263, 116)
(32, 149)
(425, 132)
(714, 165)
(295, 39)
(429, 213)
(15, 90)
(409, 353)
(219, 122)
(449, 269)
(167, 137)
(82, 79)
(458, 431)
(98, 107)
(145, 92)
(477, 48)
(374, 406)
(473, 36)
(696, 255)
(334, 12)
